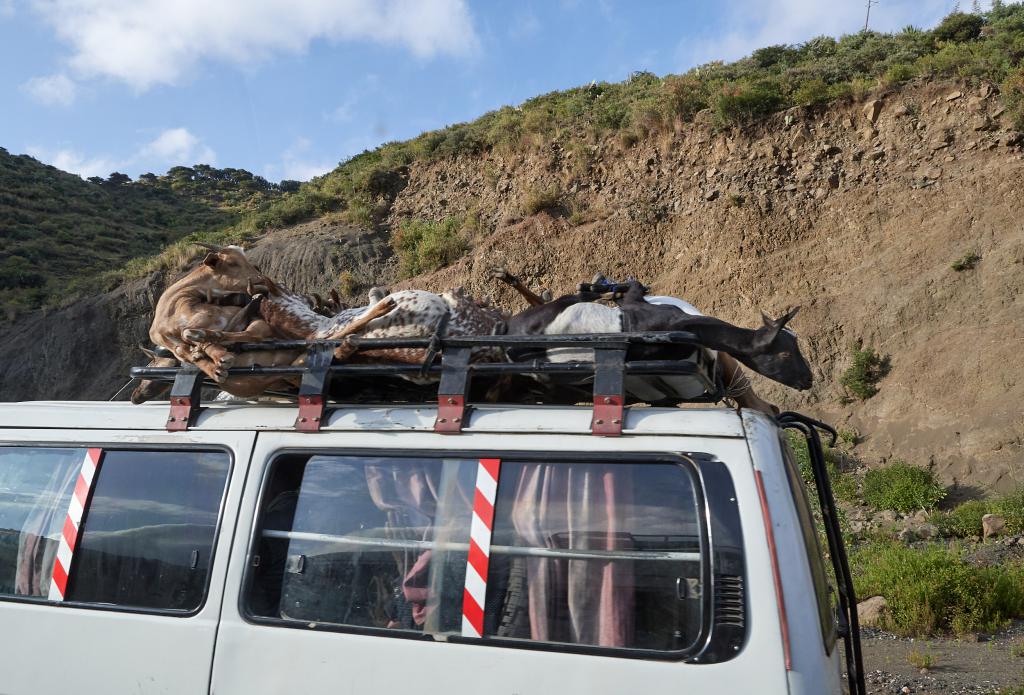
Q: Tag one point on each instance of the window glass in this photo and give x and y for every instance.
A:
(823, 592)
(148, 534)
(595, 554)
(35, 488)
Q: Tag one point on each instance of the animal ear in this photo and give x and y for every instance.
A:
(788, 316)
(212, 259)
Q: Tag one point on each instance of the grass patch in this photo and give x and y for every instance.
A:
(539, 199)
(902, 488)
(861, 377)
(921, 659)
(934, 589)
(966, 262)
(1011, 507)
(424, 245)
(963, 521)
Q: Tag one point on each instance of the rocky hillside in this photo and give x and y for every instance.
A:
(59, 234)
(856, 212)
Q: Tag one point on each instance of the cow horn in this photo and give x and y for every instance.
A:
(211, 247)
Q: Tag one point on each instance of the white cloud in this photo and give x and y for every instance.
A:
(758, 23)
(74, 161)
(298, 164)
(171, 147)
(52, 90)
(177, 146)
(149, 42)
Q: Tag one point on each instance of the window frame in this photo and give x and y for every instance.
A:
(692, 463)
(121, 446)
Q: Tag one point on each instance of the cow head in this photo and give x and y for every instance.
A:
(230, 269)
(150, 389)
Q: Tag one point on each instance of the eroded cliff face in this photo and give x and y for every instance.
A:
(855, 213)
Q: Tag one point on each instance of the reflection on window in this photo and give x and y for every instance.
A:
(35, 488)
(582, 553)
(149, 532)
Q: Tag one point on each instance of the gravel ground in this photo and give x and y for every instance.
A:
(959, 666)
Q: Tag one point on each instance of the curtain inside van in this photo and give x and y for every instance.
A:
(35, 488)
(554, 506)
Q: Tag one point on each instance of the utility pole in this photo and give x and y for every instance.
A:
(867, 17)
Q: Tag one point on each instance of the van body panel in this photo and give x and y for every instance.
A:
(813, 670)
(47, 647)
(712, 422)
(251, 657)
(220, 650)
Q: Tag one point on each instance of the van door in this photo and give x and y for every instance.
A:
(375, 569)
(113, 553)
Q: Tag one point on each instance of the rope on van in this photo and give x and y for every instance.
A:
(837, 549)
(121, 390)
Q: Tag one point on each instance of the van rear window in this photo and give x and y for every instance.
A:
(146, 535)
(588, 553)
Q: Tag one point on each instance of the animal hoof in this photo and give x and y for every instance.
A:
(498, 273)
(227, 360)
(194, 335)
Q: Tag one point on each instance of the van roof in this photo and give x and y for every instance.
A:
(708, 421)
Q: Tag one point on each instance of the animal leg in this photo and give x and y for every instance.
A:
(254, 333)
(384, 306)
(739, 388)
(515, 283)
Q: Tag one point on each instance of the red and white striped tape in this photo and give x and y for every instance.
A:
(479, 548)
(69, 536)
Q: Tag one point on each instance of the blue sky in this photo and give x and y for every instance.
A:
(288, 88)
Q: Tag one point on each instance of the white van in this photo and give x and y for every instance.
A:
(382, 555)
(241, 556)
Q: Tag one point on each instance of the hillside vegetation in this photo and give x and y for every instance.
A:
(980, 47)
(60, 234)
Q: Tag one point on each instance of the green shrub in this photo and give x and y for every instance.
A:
(738, 103)
(898, 73)
(1012, 93)
(1011, 508)
(966, 262)
(867, 369)
(538, 199)
(935, 589)
(424, 245)
(902, 488)
(686, 95)
(812, 92)
(963, 521)
(845, 486)
(959, 27)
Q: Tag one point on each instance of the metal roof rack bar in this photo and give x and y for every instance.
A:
(455, 371)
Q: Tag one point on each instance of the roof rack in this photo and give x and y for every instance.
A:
(456, 371)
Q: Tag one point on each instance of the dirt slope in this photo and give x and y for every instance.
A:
(855, 218)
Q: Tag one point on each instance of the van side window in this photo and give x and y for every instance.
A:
(580, 554)
(145, 540)
(35, 488)
(822, 589)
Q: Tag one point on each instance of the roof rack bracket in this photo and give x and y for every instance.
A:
(313, 387)
(451, 392)
(185, 398)
(609, 391)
